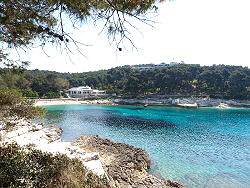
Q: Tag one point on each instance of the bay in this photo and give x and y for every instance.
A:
(204, 147)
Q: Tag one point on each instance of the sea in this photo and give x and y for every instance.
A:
(203, 147)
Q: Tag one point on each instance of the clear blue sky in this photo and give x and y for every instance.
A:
(202, 32)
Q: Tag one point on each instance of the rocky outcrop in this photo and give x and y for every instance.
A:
(49, 140)
(125, 165)
(201, 102)
(149, 101)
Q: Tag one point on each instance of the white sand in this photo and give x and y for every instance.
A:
(48, 102)
(56, 102)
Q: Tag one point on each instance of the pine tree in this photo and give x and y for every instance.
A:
(24, 21)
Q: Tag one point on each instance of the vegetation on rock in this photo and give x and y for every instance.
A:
(14, 106)
(27, 167)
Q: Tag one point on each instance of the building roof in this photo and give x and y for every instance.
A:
(81, 88)
(85, 88)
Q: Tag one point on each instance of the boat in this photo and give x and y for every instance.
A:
(145, 105)
(188, 105)
(222, 105)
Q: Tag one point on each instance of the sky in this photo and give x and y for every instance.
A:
(204, 32)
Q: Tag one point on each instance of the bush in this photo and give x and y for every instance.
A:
(13, 105)
(27, 167)
(52, 95)
(30, 93)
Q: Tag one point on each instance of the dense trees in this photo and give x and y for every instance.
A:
(216, 81)
(34, 84)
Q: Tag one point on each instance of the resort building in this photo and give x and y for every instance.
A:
(153, 67)
(84, 91)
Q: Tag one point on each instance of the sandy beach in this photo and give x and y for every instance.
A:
(67, 101)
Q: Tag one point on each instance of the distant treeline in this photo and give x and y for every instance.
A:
(230, 82)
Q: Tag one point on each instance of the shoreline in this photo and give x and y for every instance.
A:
(211, 103)
(186, 102)
(122, 164)
(66, 101)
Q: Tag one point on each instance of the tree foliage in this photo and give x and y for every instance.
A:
(24, 22)
(29, 93)
(216, 81)
(34, 85)
(14, 106)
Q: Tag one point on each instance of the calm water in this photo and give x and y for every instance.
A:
(203, 147)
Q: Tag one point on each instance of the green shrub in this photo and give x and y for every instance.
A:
(27, 167)
(30, 93)
(13, 105)
(52, 95)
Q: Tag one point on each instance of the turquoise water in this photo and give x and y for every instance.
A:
(204, 147)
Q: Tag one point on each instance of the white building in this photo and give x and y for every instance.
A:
(144, 68)
(176, 63)
(153, 67)
(84, 91)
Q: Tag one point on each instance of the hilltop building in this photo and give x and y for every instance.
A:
(85, 91)
(153, 67)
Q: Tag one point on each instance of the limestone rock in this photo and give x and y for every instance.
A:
(166, 100)
(49, 140)
(126, 166)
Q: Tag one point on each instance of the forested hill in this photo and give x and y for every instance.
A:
(230, 82)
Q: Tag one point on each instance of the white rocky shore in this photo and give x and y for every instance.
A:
(48, 140)
(201, 102)
(123, 165)
(154, 101)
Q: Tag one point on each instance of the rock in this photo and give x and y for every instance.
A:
(122, 164)
(49, 140)
(125, 165)
(52, 133)
(173, 184)
(166, 100)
